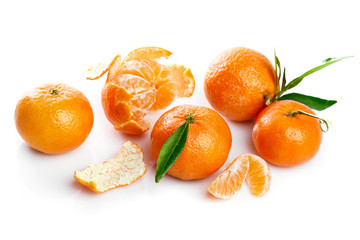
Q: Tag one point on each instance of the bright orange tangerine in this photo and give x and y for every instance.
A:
(286, 139)
(208, 141)
(236, 81)
(54, 118)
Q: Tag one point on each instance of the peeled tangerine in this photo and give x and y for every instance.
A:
(140, 84)
(251, 168)
(125, 168)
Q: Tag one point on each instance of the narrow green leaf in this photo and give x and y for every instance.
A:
(333, 58)
(172, 149)
(283, 84)
(312, 102)
(277, 72)
(297, 80)
(328, 60)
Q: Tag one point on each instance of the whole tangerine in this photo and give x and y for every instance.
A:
(236, 81)
(284, 137)
(208, 141)
(54, 118)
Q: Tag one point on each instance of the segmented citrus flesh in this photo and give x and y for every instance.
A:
(229, 182)
(140, 84)
(125, 168)
(259, 176)
(249, 167)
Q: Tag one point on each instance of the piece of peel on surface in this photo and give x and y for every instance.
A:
(125, 168)
(249, 167)
(229, 182)
(97, 71)
(259, 176)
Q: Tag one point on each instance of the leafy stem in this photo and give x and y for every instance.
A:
(280, 89)
(322, 121)
(267, 99)
(190, 118)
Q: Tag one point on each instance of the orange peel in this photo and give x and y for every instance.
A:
(124, 169)
(152, 53)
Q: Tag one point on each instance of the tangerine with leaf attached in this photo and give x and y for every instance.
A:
(285, 135)
(207, 145)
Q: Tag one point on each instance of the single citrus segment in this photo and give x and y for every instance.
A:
(259, 176)
(125, 168)
(207, 145)
(186, 83)
(236, 81)
(54, 118)
(229, 182)
(140, 84)
(284, 139)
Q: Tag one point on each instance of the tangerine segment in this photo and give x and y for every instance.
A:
(152, 53)
(133, 127)
(114, 102)
(229, 182)
(258, 178)
(125, 168)
(184, 79)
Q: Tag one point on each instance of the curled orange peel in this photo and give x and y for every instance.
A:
(125, 168)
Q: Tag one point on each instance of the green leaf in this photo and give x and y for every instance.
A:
(172, 149)
(332, 59)
(283, 84)
(312, 102)
(297, 80)
(277, 72)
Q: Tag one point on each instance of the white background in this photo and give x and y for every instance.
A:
(48, 41)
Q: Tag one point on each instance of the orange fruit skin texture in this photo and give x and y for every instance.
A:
(54, 123)
(286, 140)
(236, 81)
(208, 141)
